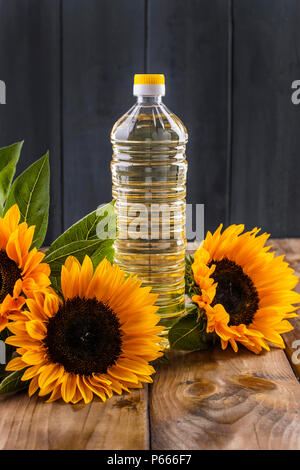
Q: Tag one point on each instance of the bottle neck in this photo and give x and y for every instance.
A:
(149, 100)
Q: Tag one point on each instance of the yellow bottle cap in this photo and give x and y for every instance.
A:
(149, 79)
(149, 84)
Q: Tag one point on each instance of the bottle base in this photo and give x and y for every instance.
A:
(167, 321)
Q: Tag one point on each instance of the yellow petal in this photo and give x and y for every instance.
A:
(36, 329)
(68, 387)
(16, 364)
(33, 386)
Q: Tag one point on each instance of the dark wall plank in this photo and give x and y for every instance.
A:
(266, 138)
(103, 46)
(188, 41)
(30, 67)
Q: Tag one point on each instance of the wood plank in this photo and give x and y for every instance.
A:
(291, 249)
(103, 46)
(188, 42)
(30, 67)
(222, 400)
(119, 424)
(266, 138)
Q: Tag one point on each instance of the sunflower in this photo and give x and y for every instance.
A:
(21, 270)
(246, 292)
(98, 339)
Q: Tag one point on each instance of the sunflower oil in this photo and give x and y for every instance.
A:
(149, 176)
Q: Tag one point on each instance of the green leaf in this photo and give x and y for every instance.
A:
(9, 157)
(31, 192)
(96, 249)
(55, 284)
(189, 334)
(105, 250)
(83, 239)
(191, 287)
(88, 228)
(191, 308)
(13, 382)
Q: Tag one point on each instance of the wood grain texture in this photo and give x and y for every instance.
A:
(266, 138)
(103, 46)
(222, 400)
(291, 249)
(119, 424)
(188, 42)
(30, 53)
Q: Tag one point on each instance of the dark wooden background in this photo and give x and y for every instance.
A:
(229, 64)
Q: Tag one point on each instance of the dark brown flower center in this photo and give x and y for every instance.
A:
(9, 274)
(84, 336)
(235, 291)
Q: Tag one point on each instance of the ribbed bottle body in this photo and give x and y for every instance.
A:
(149, 176)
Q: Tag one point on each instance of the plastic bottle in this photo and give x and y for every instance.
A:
(149, 177)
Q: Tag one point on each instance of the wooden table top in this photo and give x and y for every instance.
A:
(202, 400)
